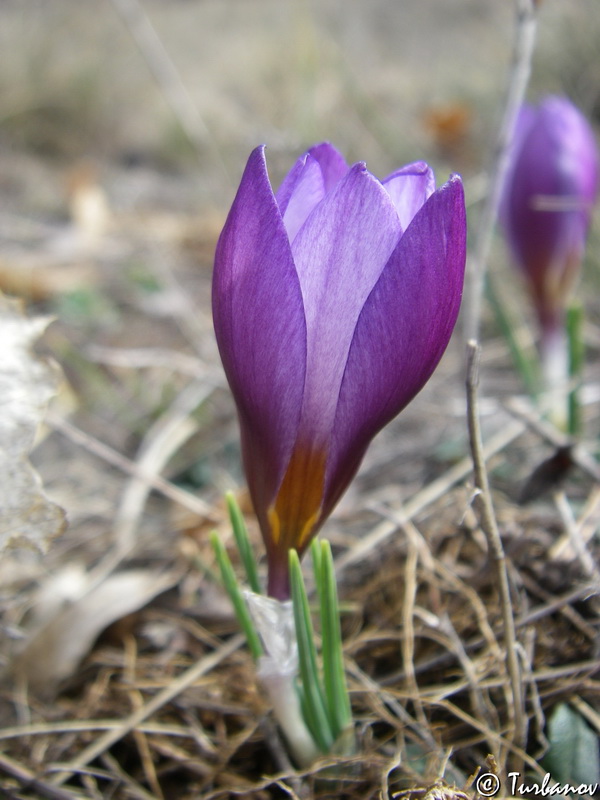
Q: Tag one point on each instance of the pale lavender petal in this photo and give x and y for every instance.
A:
(402, 331)
(308, 191)
(409, 187)
(332, 162)
(261, 331)
(283, 194)
(314, 175)
(339, 254)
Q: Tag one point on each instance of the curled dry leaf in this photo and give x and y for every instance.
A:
(27, 383)
(71, 612)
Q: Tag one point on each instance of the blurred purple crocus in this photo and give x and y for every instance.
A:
(333, 302)
(550, 190)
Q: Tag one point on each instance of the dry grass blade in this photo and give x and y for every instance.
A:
(578, 544)
(483, 502)
(522, 409)
(427, 496)
(164, 438)
(162, 698)
(587, 526)
(27, 779)
(168, 78)
(103, 451)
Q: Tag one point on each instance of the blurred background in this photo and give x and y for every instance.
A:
(387, 81)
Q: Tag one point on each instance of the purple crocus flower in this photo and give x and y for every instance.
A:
(548, 199)
(333, 301)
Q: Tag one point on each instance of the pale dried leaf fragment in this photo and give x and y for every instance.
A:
(70, 614)
(27, 383)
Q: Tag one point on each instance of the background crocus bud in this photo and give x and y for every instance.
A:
(333, 302)
(548, 199)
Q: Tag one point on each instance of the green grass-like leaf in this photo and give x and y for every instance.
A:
(243, 543)
(312, 695)
(233, 590)
(574, 324)
(317, 561)
(525, 365)
(334, 677)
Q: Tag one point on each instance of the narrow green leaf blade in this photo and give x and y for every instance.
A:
(243, 543)
(524, 364)
(334, 677)
(233, 590)
(315, 555)
(312, 699)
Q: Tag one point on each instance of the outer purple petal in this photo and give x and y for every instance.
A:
(409, 187)
(261, 331)
(339, 253)
(525, 119)
(548, 199)
(402, 331)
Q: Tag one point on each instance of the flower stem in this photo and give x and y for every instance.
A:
(483, 503)
(278, 672)
(278, 581)
(554, 357)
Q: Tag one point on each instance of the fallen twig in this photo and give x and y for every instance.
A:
(483, 502)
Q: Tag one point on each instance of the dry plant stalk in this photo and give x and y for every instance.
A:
(525, 32)
(168, 78)
(483, 503)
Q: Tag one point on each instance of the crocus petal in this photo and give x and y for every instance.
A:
(261, 332)
(402, 331)
(306, 193)
(339, 254)
(332, 162)
(409, 187)
(333, 303)
(314, 175)
(546, 208)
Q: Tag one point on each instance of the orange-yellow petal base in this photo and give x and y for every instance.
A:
(297, 507)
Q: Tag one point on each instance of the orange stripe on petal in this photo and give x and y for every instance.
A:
(298, 504)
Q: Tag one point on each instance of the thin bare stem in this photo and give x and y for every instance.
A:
(167, 77)
(408, 641)
(483, 504)
(525, 30)
(111, 456)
